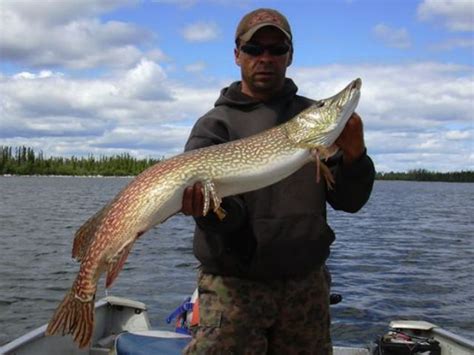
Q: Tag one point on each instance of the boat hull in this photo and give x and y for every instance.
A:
(115, 317)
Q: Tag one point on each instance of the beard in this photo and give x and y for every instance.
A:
(264, 79)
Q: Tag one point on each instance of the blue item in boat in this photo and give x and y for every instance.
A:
(180, 314)
(137, 344)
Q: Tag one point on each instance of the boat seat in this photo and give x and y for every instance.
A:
(150, 342)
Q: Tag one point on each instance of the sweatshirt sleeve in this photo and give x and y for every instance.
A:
(207, 132)
(353, 184)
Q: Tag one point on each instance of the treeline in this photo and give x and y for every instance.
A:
(25, 161)
(425, 175)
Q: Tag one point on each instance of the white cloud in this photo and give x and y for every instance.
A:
(195, 67)
(429, 91)
(64, 34)
(42, 74)
(409, 111)
(59, 12)
(392, 37)
(166, 138)
(138, 110)
(201, 32)
(415, 115)
(454, 43)
(181, 3)
(402, 152)
(458, 135)
(456, 15)
(145, 82)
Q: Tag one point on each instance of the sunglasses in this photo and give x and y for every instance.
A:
(257, 49)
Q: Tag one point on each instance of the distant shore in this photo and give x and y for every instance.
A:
(70, 176)
(463, 176)
(426, 175)
(24, 161)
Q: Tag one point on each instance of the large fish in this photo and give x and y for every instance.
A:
(102, 244)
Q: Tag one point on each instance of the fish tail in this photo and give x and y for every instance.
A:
(74, 317)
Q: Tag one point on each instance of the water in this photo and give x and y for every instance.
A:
(407, 254)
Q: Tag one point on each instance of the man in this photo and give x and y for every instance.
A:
(262, 283)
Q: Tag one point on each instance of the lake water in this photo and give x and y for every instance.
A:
(407, 254)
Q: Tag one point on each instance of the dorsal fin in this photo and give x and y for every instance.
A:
(85, 234)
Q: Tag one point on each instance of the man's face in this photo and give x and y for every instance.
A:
(263, 75)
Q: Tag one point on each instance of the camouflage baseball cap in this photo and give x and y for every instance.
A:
(259, 18)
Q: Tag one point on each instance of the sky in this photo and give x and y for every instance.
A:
(107, 77)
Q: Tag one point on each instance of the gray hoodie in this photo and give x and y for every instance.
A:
(279, 231)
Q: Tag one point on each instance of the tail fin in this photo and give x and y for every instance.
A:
(74, 317)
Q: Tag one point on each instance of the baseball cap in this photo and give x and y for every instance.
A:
(259, 18)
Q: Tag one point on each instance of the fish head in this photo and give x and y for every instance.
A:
(320, 125)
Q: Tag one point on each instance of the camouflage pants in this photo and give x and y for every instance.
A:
(240, 316)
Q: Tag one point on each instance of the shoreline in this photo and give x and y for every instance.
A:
(70, 176)
(133, 176)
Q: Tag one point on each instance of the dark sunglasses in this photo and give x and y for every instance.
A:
(257, 49)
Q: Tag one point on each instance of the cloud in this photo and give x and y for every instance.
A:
(429, 91)
(145, 82)
(42, 74)
(392, 37)
(55, 13)
(415, 115)
(195, 67)
(181, 3)
(454, 43)
(139, 110)
(201, 32)
(456, 15)
(167, 138)
(66, 34)
(458, 135)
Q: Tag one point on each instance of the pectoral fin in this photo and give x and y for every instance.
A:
(322, 168)
(210, 195)
(327, 174)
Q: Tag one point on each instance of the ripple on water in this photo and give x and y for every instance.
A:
(407, 254)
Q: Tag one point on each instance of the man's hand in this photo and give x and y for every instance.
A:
(351, 140)
(193, 201)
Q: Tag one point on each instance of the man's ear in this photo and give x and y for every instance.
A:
(237, 56)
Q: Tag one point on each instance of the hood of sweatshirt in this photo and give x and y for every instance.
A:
(233, 96)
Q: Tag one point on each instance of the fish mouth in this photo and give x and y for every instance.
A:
(348, 100)
(354, 97)
(350, 95)
(356, 84)
(352, 101)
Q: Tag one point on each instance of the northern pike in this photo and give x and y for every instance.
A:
(103, 242)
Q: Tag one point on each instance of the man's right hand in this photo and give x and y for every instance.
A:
(193, 200)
